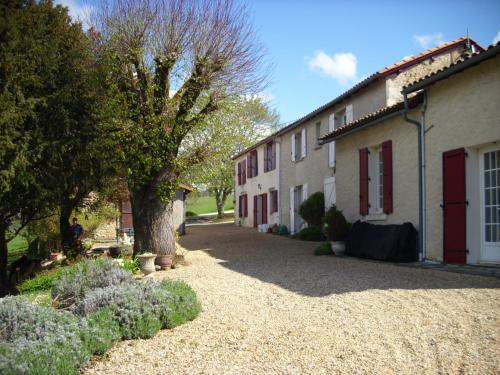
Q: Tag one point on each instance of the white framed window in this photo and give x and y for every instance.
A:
(376, 180)
(299, 149)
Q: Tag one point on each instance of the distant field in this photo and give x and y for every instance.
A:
(205, 205)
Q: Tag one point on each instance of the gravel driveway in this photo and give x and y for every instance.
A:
(271, 307)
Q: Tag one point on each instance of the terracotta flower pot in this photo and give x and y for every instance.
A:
(147, 263)
(164, 261)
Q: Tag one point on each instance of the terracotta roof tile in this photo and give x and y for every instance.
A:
(425, 54)
(458, 62)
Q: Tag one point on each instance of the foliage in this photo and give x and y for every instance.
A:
(17, 244)
(103, 330)
(239, 123)
(190, 214)
(130, 264)
(55, 116)
(185, 306)
(37, 339)
(42, 281)
(312, 209)
(310, 234)
(75, 282)
(336, 226)
(324, 249)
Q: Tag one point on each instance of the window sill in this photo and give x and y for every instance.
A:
(298, 160)
(317, 147)
(375, 217)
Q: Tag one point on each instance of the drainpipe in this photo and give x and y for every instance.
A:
(421, 173)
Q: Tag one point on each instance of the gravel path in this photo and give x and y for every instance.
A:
(271, 307)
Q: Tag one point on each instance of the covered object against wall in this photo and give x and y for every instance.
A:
(394, 243)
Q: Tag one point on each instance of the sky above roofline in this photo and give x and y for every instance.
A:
(321, 48)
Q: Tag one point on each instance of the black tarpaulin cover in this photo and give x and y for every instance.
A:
(395, 243)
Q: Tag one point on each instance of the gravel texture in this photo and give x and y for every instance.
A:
(271, 307)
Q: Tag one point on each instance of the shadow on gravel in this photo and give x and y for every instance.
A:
(291, 264)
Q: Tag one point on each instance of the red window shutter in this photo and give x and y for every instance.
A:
(255, 200)
(387, 175)
(266, 158)
(239, 173)
(264, 208)
(363, 181)
(240, 206)
(243, 171)
(255, 167)
(249, 165)
(454, 207)
(245, 205)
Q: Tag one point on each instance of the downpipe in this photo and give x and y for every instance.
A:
(421, 173)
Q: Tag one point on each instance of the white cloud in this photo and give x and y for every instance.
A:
(79, 11)
(340, 66)
(496, 39)
(429, 40)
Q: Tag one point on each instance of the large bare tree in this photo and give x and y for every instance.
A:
(172, 62)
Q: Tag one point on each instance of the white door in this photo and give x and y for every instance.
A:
(330, 194)
(490, 206)
(299, 198)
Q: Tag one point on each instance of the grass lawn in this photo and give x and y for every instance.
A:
(17, 248)
(18, 243)
(205, 205)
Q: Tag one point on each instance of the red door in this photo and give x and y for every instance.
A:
(264, 208)
(255, 210)
(454, 206)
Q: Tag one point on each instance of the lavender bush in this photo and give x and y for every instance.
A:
(74, 283)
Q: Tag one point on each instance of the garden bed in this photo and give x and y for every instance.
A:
(67, 315)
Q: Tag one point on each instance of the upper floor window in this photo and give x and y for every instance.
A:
(252, 164)
(242, 172)
(270, 156)
(299, 148)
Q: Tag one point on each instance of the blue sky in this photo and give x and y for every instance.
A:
(320, 48)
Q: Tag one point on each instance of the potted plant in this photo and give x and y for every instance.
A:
(165, 260)
(147, 263)
(336, 229)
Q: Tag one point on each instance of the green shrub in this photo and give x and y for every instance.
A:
(103, 330)
(131, 265)
(74, 283)
(185, 306)
(336, 226)
(324, 249)
(42, 281)
(312, 209)
(310, 234)
(40, 340)
(138, 308)
(191, 214)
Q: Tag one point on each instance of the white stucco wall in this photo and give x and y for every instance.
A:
(462, 112)
(267, 180)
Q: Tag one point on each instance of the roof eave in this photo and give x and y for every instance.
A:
(361, 127)
(457, 68)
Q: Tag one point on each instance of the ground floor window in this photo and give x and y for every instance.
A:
(274, 200)
(492, 196)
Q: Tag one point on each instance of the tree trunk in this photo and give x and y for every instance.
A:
(220, 201)
(64, 225)
(153, 224)
(3, 253)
